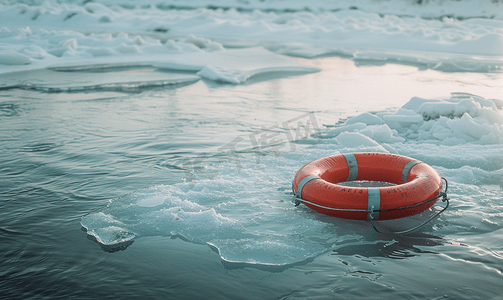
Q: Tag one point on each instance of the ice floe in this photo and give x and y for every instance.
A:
(463, 118)
(72, 51)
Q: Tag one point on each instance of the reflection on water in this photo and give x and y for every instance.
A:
(393, 246)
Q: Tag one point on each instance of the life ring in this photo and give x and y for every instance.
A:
(417, 186)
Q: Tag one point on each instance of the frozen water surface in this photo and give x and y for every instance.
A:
(153, 167)
(170, 133)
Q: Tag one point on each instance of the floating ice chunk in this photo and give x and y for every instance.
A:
(346, 128)
(355, 139)
(467, 106)
(14, 58)
(204, 220)
(410, 119)
(498, 103)
(60, 51)
(235, 65)
(468, 126)
(307, 50)
(182, 47)
(203, 43)
(405, 112)
(138, 40)
(490, 138)
(426, 126)
(217, 73)
(71, 43)
(87, 81)
(151, 201)
(493, 116)
(415, 103)
(443, 133)
(485, 103)
(157, 211)
(377, 133)
(381, 134)
(433, 110)
(99, 219)
(112, 235)
(102, 51)
(403, 118)
(366, 118)
(106, 229)
(123, 48)
(465, 118)
(33, 51)
(172, 45)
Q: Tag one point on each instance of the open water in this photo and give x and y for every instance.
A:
(149, 156)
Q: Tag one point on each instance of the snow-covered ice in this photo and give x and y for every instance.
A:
(53, 33)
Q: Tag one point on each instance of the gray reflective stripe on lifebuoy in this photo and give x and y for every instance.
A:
(374, 204)
(352, 165)
(302, 183)
(407, 168)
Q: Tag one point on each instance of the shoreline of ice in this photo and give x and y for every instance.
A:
(31, 36)
(426, 9)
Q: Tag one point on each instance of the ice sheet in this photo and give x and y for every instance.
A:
(71, 81)
(31, 34)
(71, 51)
(235, 65)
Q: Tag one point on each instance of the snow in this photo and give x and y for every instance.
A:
(443, 35)
(14, 58)
(60, 50)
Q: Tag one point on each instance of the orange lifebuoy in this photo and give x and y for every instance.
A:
(416, 188)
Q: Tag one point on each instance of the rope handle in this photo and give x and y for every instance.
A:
(444, 199)
(370, 212)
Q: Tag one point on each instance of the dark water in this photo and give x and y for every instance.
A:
(66, 154)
